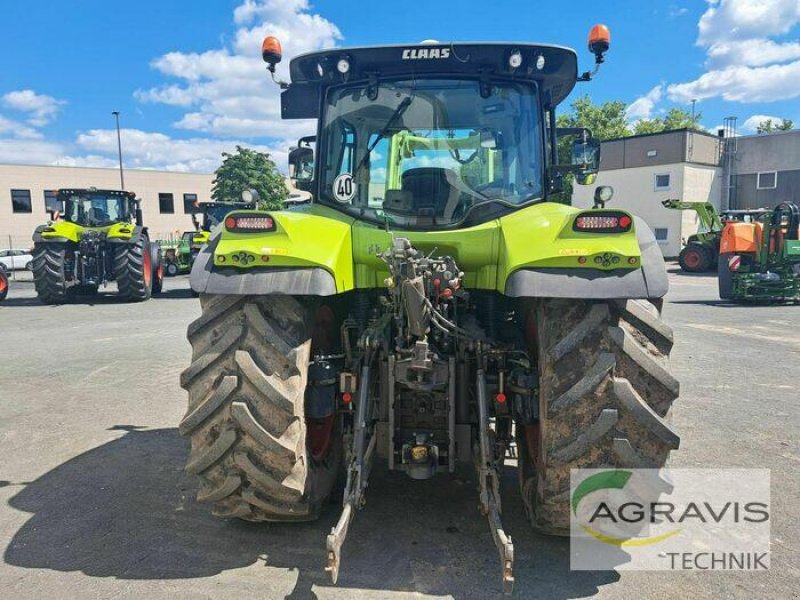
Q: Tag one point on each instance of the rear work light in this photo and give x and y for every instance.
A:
(249, 223)
(602, 222)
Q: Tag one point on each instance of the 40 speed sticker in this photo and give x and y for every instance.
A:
(344, 188)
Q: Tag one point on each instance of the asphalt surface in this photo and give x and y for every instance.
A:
(94, 503)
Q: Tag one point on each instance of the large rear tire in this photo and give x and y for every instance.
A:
(246, 385)
(133, 270)
(695, 258)
(48, 273)
(724, 277)
(605, 398)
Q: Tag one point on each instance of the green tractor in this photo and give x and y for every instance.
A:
(433, 306)
(179, 255)
(701, 249)
(760, 261)
(95, 238)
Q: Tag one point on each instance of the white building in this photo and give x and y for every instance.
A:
(645, 170)
(166, 196)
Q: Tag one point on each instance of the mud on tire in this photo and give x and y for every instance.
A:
(48, 273)
(133, 270)
(605, 397)
(245, 419)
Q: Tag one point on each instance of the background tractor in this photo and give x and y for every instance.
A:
(96, 238)
(178, 255)
(432, 306)
(760, 260)
(702, 248)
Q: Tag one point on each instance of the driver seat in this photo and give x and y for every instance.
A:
(435, 191)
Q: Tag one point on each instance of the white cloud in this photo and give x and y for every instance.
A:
(642, 108)
(744, 64)
(677, 11)
(227, 90)
(753, 122)
(9, 127)
(751, 53)
(747, 19)
(28, 151)
(742, 84)
(150, 150)
(41, 108)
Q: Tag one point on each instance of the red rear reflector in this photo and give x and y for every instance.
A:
(624, 221)
(230, 222)
(347, 397)
(501, 398)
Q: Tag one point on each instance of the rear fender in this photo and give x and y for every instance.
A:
(305, 254)
(125, 233)
(649, 280)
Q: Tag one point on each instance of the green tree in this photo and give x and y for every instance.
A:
(249, 170)
(606, 121)
(676, 118)
(768, 126)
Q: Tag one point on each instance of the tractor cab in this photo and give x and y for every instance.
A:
(98, 208)
(435, 136)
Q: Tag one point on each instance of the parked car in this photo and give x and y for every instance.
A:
(16, 259)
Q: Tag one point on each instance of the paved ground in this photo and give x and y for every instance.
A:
(94, 504)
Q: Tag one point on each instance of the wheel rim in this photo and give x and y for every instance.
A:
(692, 259)
(147, 265)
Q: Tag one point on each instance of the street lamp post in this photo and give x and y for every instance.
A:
(119, 149)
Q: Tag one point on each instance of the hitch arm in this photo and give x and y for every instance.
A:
(488, 475)
(357, 473)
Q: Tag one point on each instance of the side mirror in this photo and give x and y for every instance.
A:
(301, 167)
(586, 160)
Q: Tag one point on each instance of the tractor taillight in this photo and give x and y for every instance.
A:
(602, 222)
(249, 223)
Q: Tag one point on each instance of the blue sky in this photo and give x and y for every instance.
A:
(188, 79)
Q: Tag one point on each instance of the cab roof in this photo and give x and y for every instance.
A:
(75, 191)
(554, 68)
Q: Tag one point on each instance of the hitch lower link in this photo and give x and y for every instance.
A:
(362, 453)
(489, 478)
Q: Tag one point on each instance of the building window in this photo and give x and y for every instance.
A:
(767, 180)
(21, 201)
(51, 201)
(662, 182)
(190, 204)
(166, 204)
(662, 234)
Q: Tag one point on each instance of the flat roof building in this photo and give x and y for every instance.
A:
(26, 190)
